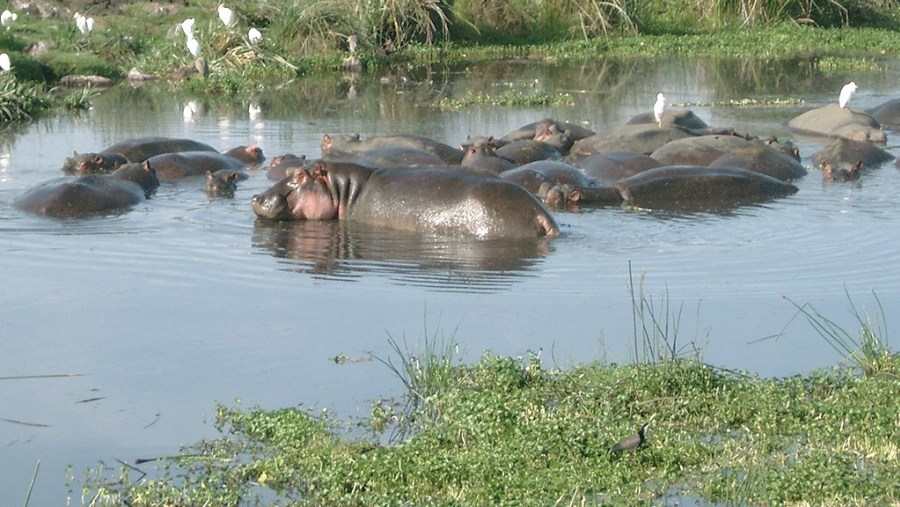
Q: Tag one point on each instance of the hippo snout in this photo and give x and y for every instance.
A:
(271, 206)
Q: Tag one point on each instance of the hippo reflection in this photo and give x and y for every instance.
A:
(348, 250)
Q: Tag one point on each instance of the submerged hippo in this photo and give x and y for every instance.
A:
(696, 186)
(93, 163)
(283, 165)
(251, 155)
(834, 121)
(130, 150)
(680, 118)
(348, 146)
(422, 200)
(847, 154)
(615, 165)
(223, 182)
(172, 166)
(643, 138)
(762, 158)
(887, 114)
(92, 194)
(483, 158)
(698, 150)
(559, 184)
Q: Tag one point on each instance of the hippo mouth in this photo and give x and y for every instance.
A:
(273, 207)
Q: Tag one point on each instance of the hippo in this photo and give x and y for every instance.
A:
(251, 155)
(483, 158)
(528, 150)
(698, 187)
(172, 166)
(141, 148)
(434, 200)
(832, 173)
(678, 118)
(130, 150)
(91, 194)
(93, 163)
(395, 156)
(887, 114)
(698, 150)
(491, 141)
(223, 182)
(847, 153)
(615, 165)
(340, 147)
(284, 165)
(545, 128)
(834, 121)
(643, 138)
(763, 159)
(557, 184)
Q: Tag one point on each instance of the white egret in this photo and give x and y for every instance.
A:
(190, 110)
(254, 36)
(352, 42)
(187, 26)
(659, 108)
(253, 110)
(227, 16)
(84, 23)
(5, 64)
(847, 93)
(193, 46)
(7, 18)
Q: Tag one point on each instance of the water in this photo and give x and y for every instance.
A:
(118, 335)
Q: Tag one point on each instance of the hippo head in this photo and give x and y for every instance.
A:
(250, 155)
(222, 182)
(142, 174)
(300, 196)
(92, 163)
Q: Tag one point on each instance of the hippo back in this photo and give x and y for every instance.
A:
(142, 148)
(451, 203)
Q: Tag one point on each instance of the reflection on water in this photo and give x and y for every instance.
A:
(186, 300)
(348, 251)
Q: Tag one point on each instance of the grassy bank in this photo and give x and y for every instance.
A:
(299, 38)
(515, 431)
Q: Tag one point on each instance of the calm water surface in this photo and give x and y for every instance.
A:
(133, 326)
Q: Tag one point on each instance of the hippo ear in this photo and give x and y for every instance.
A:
(209, 175)
(146, 166)
(98, 159)
(300, 176)
(574, 196)
(231, 177)
(319, 170)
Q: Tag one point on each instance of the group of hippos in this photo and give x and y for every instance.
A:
(488, 187)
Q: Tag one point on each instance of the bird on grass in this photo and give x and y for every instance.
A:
(5, 64)
(227, 16)
(254, 36)
(847, 93)
(187, 26)
(193, 46)
(7, 18)
(659, 108)
(631, 442)
(84, 24)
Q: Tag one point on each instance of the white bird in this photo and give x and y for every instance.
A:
(193, 46)
(659, 108)
(5, 64)
(227, 16)
(187, 26)
(84, 24)
(190, 110)
(7, 18)
(847, 93)
(253, 110)
(254, 36)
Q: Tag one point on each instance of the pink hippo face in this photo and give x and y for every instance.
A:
(300, 196)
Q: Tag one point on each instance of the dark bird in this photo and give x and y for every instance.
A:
(631, 442)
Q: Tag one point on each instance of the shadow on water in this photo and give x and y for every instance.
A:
(339, 250)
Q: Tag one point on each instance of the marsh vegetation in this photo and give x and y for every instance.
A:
(516, 431)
